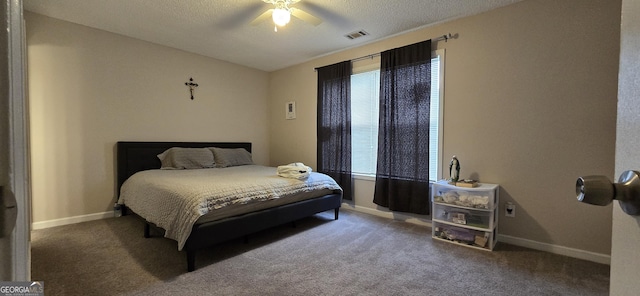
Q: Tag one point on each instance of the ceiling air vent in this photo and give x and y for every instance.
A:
(356, 34)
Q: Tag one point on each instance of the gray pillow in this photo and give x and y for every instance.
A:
(186, 158)
(227, 157)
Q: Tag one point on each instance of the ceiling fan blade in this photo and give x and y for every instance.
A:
(242, 16)
(263, 17)
(301, 14)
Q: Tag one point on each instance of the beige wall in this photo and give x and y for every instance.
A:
(530, 103)
(90, 88)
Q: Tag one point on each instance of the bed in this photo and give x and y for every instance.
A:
(211, 228)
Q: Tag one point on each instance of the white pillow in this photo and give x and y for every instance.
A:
(186, 158)
(227, 157)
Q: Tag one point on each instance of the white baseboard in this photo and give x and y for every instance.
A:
(70, 220)
(389, 215)
(545, 247)
(555, 249)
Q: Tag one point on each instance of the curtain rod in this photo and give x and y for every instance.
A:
(445, 37)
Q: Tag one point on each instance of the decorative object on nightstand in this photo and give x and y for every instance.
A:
(465, 215)
(467, 183)
(454, 169)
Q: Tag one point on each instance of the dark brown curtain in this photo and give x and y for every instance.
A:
(334, 124)
(402, 177)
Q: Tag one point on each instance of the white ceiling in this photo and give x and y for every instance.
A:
(220, 28)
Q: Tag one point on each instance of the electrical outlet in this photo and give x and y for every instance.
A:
(510, 209)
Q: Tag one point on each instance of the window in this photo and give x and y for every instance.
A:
(365, 88)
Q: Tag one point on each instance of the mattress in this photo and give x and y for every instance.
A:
(177, 199)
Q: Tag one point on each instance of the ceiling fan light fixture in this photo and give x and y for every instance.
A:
(281, 16)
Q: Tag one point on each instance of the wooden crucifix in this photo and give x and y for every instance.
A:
(192, 85)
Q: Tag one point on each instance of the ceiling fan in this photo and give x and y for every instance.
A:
(282, 13)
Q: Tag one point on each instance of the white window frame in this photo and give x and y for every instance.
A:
(374, 64)
(440, 53)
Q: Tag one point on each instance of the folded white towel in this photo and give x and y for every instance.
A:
(296, 170)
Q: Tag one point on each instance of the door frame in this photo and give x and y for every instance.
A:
(18, 143)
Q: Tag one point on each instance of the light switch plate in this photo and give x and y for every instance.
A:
(290, 110)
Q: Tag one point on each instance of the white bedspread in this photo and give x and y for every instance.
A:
(175, 199)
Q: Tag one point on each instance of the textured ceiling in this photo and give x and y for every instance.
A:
(221, 29)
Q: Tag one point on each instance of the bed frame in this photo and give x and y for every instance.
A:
(133, 157)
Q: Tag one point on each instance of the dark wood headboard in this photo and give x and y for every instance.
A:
(133, 157)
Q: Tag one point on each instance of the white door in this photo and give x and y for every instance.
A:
(625, 247)
(14, 169)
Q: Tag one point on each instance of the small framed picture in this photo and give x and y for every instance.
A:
(291, 110)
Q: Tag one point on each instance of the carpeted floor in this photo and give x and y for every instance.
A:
(358, 254)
